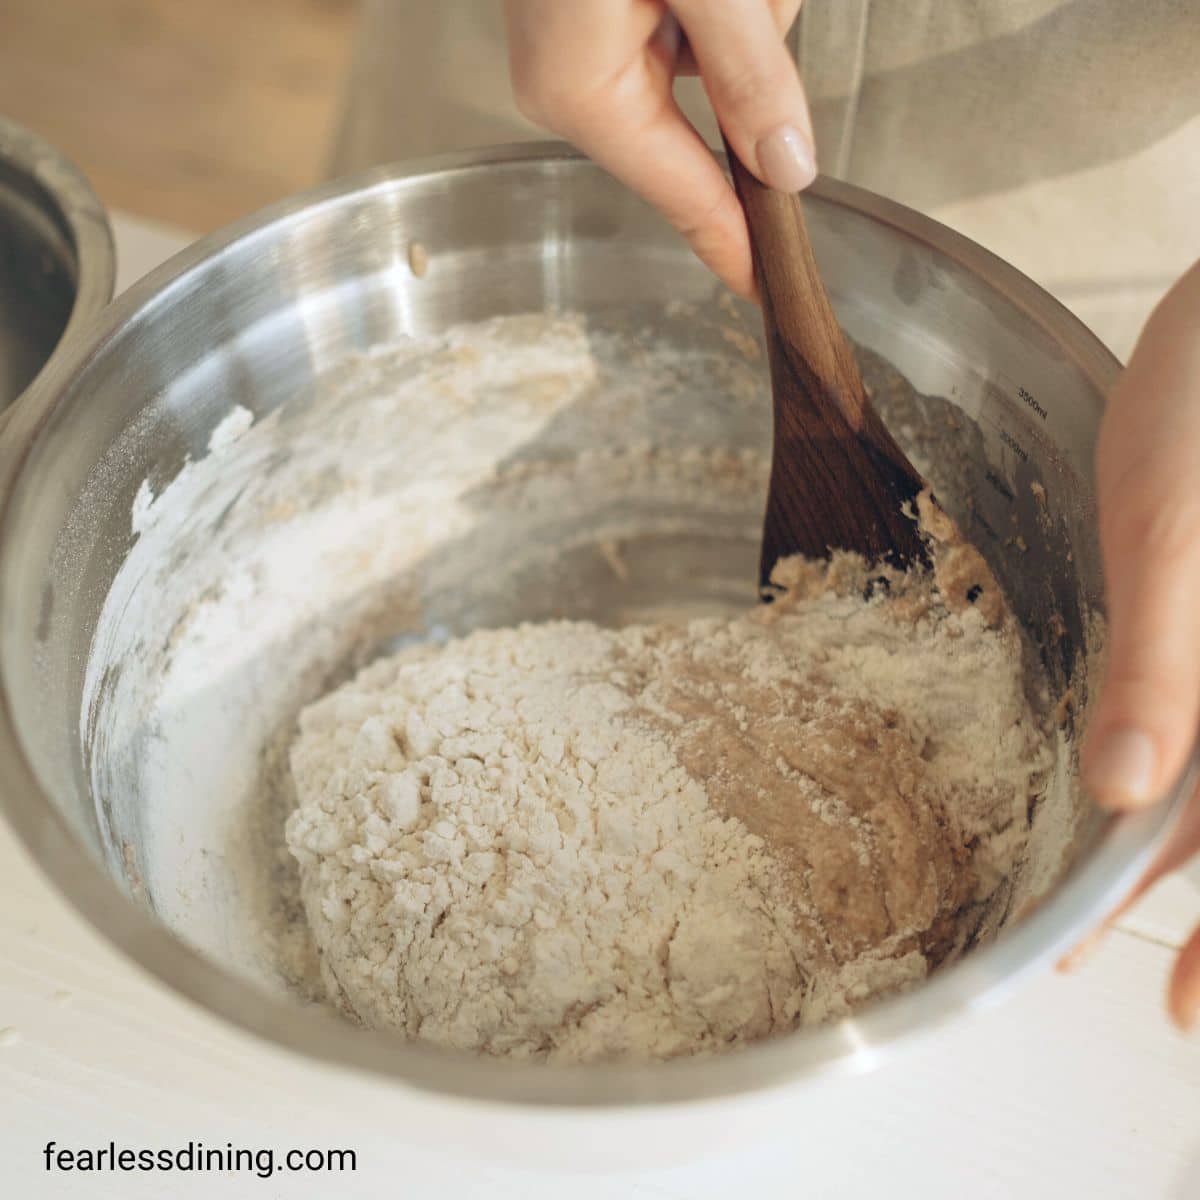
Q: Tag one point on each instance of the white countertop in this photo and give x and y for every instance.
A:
(1076, 1086)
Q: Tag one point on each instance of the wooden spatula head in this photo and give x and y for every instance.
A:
(839, 481)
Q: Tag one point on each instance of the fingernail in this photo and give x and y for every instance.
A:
(1183, 997)
(786, 159)
(1082, 951)
(1120, 769)
(1183, 1012)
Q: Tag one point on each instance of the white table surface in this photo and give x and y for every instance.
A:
(1075, 1087)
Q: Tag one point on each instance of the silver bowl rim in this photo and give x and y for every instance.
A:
(78, 209)
(1090, 893)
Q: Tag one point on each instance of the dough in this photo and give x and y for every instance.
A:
(560, 841)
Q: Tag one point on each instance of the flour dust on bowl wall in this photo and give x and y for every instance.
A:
(402, 657)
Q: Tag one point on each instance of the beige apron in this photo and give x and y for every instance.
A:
(1062, 134)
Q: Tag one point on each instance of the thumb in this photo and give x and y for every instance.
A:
(754, 87)
(1149, 493)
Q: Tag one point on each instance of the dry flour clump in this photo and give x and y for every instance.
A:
(568, 842)
(497, 854)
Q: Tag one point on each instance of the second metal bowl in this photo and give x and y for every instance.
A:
(56, 255)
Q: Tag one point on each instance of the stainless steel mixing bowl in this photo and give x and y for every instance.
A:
(263, 315)
(56, 255)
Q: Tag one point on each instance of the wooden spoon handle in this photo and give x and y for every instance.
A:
(838, 478)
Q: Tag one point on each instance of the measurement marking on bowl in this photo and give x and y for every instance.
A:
(1026, 398)
(998, 485)
(982, 522)
(1015, 446)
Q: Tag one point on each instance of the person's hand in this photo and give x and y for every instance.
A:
(1148, 479)
(599, 73)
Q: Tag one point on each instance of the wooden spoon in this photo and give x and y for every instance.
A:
(838, 478)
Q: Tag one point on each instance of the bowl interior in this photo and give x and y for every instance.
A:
(38, 275)
(56, 255)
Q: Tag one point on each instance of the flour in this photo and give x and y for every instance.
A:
(229, 428)
(498, 855)
(568, 842)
